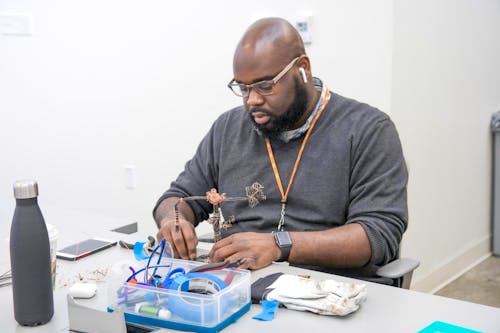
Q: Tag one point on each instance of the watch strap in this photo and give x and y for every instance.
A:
(285, 247)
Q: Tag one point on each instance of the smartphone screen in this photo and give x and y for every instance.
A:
(84, 248)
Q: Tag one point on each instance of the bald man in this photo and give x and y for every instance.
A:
(332, 169)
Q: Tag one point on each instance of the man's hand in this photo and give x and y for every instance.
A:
(258, 250)
(181, 236)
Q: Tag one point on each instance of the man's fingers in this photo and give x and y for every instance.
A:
(240, 260)
(175, 235)
(247, 263)
(190, 240)
(159, 236)
(222, 250)
(179, 244)
(184, 239)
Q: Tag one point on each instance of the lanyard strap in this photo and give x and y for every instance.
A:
(284, 195)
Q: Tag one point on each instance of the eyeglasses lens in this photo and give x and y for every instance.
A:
(263, 88)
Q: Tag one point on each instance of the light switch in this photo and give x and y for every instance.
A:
(17, 24)
(303, 25)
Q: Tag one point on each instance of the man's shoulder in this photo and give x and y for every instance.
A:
(348, 117)
(356, 110)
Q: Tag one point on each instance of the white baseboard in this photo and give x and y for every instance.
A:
(455, 267)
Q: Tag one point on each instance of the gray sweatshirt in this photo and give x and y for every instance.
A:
(352, 171)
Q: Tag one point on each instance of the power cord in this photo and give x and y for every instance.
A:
(6, 279)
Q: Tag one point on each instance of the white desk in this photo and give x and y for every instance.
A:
(387, 309)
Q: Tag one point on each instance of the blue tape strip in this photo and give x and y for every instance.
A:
(268, 310)
(196, 309)
(139, 251)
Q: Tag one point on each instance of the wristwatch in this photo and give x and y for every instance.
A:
(284, 242)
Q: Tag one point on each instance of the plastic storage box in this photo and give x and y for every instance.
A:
(199, 302)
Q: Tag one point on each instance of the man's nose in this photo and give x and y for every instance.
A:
(254, 98)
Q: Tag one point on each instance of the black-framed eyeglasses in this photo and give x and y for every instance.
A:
(264, 87)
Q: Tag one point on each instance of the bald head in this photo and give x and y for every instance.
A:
(268, 40)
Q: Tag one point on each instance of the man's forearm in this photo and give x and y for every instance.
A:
(345, 246)
(166, 210)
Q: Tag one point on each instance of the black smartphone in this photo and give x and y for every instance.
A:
(84, 248)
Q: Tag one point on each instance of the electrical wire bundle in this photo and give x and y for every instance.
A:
(6, 279)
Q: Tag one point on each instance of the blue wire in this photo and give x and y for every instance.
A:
(162, 246)
(134, 274)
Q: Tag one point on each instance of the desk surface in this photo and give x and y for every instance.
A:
(386, 309)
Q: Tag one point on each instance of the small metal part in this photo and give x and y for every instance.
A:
(254, 194)
(281, 223)
(214, 197)
(228, 223)
(125, 245)
(176, 214)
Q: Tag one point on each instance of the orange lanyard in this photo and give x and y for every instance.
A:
(284, 195)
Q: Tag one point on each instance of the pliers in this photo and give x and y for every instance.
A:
(217, 265)
(149, 246)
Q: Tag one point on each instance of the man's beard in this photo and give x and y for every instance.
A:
(286, 121)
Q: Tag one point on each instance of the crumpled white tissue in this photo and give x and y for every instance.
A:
(326, 297)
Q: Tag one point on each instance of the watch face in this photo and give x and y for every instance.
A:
(283, 239)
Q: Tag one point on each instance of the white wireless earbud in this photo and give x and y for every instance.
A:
(304, 76)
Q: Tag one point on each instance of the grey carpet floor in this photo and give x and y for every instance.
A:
(481, 284)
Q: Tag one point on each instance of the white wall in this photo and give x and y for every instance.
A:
(445, 86)
(101, 84)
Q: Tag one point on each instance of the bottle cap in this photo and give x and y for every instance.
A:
(25, 189)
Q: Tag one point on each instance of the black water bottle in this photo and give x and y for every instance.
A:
(30, 258)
